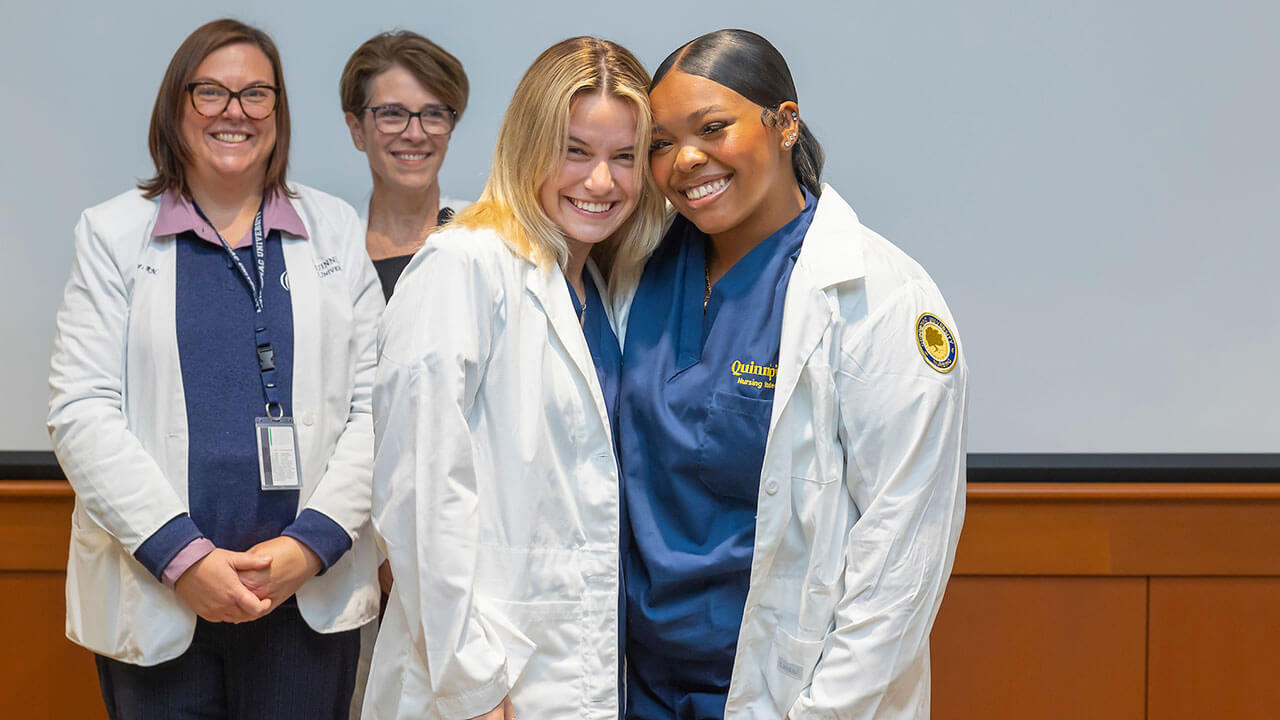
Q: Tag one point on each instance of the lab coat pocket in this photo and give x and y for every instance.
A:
(731, 444)
(115, 607)
(789, 668)
(543, 641)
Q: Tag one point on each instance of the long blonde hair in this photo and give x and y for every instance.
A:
(532, 144)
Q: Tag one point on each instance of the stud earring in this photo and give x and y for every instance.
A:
(789, 141)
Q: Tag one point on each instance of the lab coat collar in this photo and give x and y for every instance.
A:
(178, 214)
(831, 254)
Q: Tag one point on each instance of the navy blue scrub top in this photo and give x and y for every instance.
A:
(694, 408)
(603, 344)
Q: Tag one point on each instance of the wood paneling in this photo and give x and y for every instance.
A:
(42, 673)
(1047, 648)
(35, 525)
(1128, 530)
(1046, 615)
(1215, 648)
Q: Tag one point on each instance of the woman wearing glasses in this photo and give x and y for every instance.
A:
(211, 380)
(791, 422)
(402, 95)
(495, 484)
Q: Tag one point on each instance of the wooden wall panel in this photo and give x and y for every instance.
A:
(35, 525)
(42, 674)
(1047, 648)
(1114, 529)
(1215, 648)
(1045, 617)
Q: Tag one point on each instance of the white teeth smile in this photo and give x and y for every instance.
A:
(710, 188)
(591, 207)
(231, 137)
(410, 156)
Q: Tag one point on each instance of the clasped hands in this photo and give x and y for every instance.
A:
(227, 586)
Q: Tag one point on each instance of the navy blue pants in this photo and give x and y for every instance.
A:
(274, 667)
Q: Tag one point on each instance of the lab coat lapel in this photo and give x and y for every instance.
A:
(551, 292)
(304, 293)
(829, 256)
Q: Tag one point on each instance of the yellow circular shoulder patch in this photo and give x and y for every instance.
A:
(937, 344)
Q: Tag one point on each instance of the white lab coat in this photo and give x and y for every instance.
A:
(495, 492)
(369, 633)
(118, 421)
(861, 492)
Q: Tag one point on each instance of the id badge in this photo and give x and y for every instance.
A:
(278, 467)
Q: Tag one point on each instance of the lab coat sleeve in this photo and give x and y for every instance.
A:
(435, 346)
(903, 433)
(118, 483)
(343, 492)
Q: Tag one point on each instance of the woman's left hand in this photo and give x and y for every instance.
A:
(292, 564)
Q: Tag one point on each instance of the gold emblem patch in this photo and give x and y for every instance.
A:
(937, 344)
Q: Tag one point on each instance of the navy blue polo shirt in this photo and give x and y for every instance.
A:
(694, 407)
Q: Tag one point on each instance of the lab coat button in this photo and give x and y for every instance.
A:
(771, 487)
(307, 418)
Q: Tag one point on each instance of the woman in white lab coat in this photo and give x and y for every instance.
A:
(218, 305)
(791, 422)
(496, 487)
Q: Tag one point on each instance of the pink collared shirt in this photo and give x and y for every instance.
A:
(178, 214)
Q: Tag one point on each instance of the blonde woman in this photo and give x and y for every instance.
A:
(496, 486)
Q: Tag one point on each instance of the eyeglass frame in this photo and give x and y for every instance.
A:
(453, 117)
(233, 95)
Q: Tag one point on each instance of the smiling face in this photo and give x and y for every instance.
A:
(409, 160)
(595, 188)
(718, 162)
(231, 147)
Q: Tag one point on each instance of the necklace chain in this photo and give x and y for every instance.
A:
(706, 275)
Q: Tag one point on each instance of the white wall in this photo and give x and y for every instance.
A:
(1094, 185)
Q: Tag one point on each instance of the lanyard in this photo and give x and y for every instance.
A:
(262, 339)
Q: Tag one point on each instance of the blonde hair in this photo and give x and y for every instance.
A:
(532, 143)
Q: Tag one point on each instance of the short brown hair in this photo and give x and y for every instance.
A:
(169, 151)
(433, 66)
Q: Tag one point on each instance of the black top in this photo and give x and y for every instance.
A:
(389, 269)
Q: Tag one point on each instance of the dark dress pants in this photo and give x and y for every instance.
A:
(274, 668)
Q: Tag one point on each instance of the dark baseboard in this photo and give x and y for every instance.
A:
(983, 467)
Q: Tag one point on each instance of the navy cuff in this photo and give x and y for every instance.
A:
(157, 551)
(321, 535)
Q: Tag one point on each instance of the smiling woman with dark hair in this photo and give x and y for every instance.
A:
(211, 378)
(791, 422)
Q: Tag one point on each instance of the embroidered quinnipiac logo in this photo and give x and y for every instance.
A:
(937, 344)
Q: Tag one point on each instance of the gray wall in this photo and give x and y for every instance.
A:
(1094, 185)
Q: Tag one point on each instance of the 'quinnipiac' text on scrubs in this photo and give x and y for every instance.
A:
(695, 401)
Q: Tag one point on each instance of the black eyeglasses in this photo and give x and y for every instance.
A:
(394, 119)
(211, 99)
